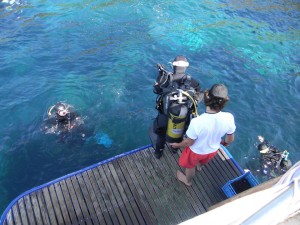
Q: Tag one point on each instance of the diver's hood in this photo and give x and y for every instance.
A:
(179, 70)
(60, 106)
(180, 64)
(263, 148)
(178, 76)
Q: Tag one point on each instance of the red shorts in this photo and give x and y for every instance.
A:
(189, 159)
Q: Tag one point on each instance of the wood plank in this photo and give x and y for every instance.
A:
(223, 166)
(87, 198)
(93, 197)
(218, 175)
(199, 188)
(192, 192)
(16, 215)
(29, 210)
(209, 180)
(222, 171)
(203, 190)
(212, 188)
(168, 165)
(43, 207)
(229, 164)
(122, 203)
(186, 195)
(36, 207)
(217, 179)
(76, 204)
(134, 189)
(145, 190)
(100, 204)
(62, 203)
(139, 191)
(9, 217)
(154, 179)
(147, 183)
(168, 189)
(69, 203)
(119, 211)
(128, 202)
(55, 202)
(109, 208)
(23, 211)
(129, 188)
(225, 174)
(49, 206)
(202, 182)
(86, 216)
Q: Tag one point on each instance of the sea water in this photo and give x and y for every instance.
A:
(100, 56)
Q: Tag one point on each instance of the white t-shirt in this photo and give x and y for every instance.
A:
(208, 129)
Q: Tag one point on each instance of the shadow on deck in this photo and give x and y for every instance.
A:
(133, 188)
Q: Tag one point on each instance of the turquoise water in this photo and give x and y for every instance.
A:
(100, 56)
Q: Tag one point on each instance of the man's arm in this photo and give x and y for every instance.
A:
(229, 138)
(184, 143)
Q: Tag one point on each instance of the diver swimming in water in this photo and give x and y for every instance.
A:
(62, 120)
(273, 162)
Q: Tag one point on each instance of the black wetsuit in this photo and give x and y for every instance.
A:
(66, 122)
(273, 163)
(68, 128)
(161, 122)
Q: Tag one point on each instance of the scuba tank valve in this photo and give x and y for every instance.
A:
(179, 98)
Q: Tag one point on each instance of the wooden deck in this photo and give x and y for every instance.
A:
(133, 189)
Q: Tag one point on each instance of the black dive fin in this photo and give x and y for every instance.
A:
(153, 138)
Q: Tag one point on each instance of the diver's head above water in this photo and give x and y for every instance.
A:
(263, 148)
(62, 120)
(62, 110)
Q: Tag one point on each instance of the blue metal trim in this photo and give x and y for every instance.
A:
(67, 176)
(233, 160)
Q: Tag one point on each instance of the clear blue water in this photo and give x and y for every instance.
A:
(100, 56)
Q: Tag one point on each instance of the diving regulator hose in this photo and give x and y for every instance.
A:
(49, 112)
(193, 100)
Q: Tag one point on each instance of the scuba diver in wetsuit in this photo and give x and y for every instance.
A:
(177, 97)
(62, 120)
(273, 162)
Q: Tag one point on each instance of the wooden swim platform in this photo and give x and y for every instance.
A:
(132, 188)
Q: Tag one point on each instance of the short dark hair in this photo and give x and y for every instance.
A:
(215, 103)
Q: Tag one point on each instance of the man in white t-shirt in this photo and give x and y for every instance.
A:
(205, 133)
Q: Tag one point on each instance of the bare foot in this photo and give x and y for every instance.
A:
(199, 167)
(182, 178)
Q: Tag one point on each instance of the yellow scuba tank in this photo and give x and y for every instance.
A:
(176, 122)
(176, 106)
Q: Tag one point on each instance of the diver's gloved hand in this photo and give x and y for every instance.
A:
(161, 69)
